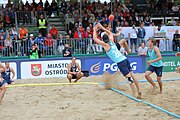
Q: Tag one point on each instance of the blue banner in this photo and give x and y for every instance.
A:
(98, 66)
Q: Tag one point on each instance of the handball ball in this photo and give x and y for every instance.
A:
(111, 17)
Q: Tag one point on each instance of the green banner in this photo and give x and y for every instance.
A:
(170, 63)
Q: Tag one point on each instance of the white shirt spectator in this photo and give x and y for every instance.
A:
(123, 50)
(142, 51)
(133, 33)
(175, 8)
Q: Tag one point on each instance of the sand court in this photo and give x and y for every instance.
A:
(88, 101)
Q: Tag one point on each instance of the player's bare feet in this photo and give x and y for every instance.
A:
(75, 81)
(139, 95)
(155, 88)
(160, 92)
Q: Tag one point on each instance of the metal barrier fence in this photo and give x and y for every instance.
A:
(48, 48)
(28, 17)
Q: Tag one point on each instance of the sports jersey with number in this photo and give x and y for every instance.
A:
(114, 54)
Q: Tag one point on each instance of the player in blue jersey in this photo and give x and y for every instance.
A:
(3, 83)
(6, 75)
(155, 64)
(115, 55)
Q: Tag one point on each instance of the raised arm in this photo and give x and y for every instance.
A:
(104, 29)
(119, 33)
(98, 41)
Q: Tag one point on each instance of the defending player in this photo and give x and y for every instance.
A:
(72, 71)
(6, 75)
(155, 64)
(115, 55)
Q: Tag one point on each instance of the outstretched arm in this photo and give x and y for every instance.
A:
(98, 41)
(104, 29)
(119, 33)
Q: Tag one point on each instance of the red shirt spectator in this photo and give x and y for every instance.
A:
(49, 42)
(53, 32)
(79, 33)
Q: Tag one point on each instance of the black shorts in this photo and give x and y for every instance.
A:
(3, 82)
(74, 76)
(9, 81)
(133, 40)
(124, 67)
(157, 70)
(118, 46)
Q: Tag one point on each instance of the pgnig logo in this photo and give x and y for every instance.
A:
(95, 68)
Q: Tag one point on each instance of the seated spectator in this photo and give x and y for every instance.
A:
(7, 51)
(73, 73)
(7, 19)
(142, 51)
(49, 42)
(54, 7)
(35, 52)
(54, 32)
(175, 8)
(67, 52)
(147, 21)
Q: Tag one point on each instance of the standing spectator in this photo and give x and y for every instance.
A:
(142, 51)
(141, 34)
(67, 51)
(1, 43)
(176, 40)
(136, 19)
(8, 46)
(133, 37)
(147, 21)
(49, 42)
(23, 32)
(60, 44)
(42, 24)
(54, 32)
(71, 35)
(54, 7)
(40, 42)
(16, 44)
(14, 31)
